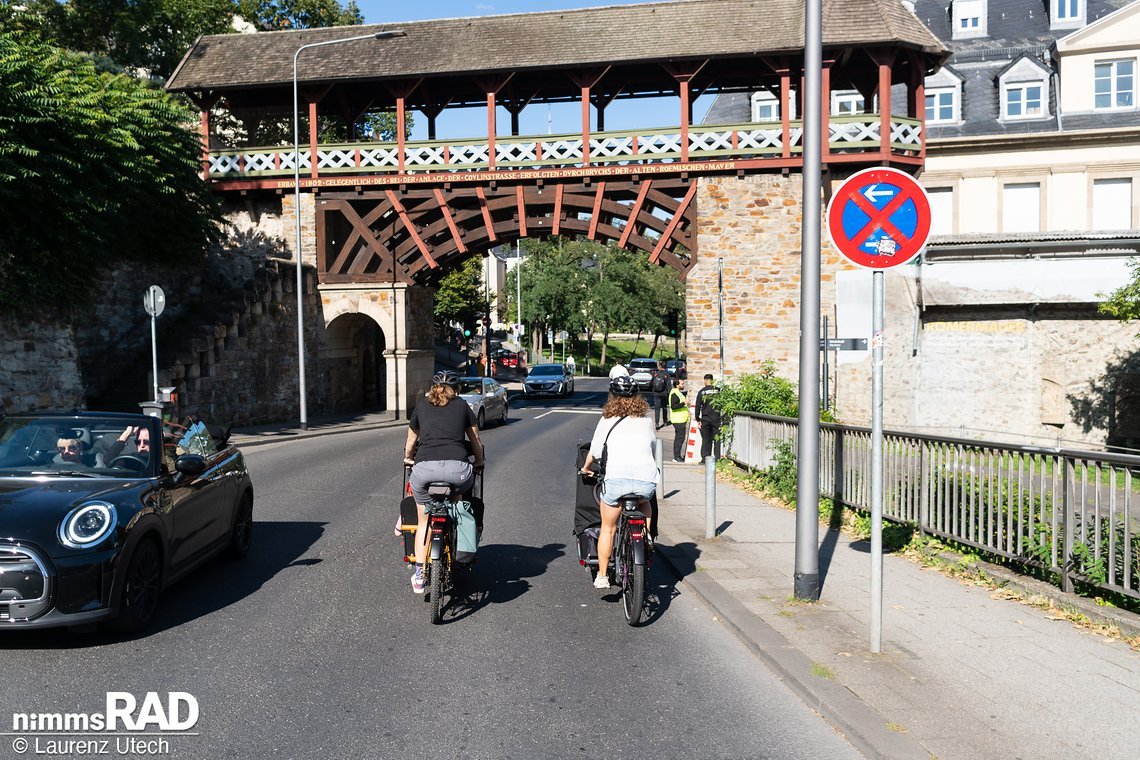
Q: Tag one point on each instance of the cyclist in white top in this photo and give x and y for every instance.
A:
(627, 434)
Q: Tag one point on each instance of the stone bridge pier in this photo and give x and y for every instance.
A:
(376, 350)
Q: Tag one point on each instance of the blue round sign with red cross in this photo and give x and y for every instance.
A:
(879, 218)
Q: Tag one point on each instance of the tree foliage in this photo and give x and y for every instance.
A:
(583, 285)
(460, 297)
(764, 392)
(94, 167)
(151, 36)
(1124, 302)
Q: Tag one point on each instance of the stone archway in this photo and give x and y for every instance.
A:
(377, 342)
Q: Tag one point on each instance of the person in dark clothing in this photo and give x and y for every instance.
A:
(436, 451)
(708, 417)
(679, 418)
(659, 390)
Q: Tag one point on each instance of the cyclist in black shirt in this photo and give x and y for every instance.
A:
(436, 449)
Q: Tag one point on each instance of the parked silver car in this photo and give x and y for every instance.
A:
(553, 379)
(487, 399)
(643, 371)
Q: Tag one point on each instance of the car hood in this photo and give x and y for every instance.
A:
(31, 509)
(472, 398)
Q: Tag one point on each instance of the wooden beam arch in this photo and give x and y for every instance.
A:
(419, 234)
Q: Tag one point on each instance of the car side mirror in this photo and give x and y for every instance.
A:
(190, 465)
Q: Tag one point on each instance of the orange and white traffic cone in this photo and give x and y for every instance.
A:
(693, 445)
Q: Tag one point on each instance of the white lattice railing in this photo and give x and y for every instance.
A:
(763, 140)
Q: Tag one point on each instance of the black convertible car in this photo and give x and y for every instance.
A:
(95, 519)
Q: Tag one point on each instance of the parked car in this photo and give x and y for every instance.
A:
(551, 379)
(96, 522)
(643, 371)
(505, 358)
(676, 368)
(487, 399)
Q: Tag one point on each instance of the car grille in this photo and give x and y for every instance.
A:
(25, 587)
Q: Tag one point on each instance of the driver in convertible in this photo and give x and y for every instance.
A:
(139, 436)
(436, 450)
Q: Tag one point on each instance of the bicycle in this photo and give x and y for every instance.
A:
(444, 558)
(630, 555)
(439, 565)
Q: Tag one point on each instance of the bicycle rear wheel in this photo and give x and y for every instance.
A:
(632, 585)
(438, 570)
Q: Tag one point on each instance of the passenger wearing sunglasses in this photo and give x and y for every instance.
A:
(70, 454)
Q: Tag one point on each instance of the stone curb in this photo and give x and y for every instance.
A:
(865, 728)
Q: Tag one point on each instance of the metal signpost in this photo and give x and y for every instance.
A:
(154, 301)
(878, 218)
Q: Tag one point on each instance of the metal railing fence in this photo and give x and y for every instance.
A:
(1066, 511)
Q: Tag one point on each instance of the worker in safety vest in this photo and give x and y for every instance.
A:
(679, 418)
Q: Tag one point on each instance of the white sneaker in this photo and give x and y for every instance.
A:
(601, 581)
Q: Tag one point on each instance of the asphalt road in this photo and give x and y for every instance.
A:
(314, 646)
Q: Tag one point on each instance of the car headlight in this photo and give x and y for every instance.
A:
(87, 524)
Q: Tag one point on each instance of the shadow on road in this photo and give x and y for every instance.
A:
(500, 576)
(214, 586)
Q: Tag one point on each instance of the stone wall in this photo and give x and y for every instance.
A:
(753, 225)
(39, 366)
(1024, 373)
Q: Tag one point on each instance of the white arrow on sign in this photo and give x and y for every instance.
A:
(872, 192)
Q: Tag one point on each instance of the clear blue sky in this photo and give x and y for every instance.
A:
(560, 118)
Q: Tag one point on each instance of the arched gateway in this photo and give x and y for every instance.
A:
(383, 221)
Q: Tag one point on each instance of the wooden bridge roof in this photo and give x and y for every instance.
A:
(661, 32)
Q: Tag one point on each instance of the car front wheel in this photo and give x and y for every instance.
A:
(241, 534)
(141, 589)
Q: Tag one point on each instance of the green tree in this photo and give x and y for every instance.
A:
(152, 36)
(460, 297)
(94, 168)
(1124, 302)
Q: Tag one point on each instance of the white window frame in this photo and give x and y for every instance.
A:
(970, 19)
(942, 201)
(762, 98)
(844, 98)
(1067, 14)
(1120, 218)
(936, 93)
(1024, 87)
(1009, 223)
(1113, 79)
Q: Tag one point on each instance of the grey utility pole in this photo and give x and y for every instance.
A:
(807, 455)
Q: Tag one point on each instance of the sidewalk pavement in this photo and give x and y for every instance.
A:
(960, 674)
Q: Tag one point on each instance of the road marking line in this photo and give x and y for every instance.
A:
(568, 411)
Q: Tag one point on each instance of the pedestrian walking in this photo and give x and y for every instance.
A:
(679, 417)
(659, 392)
(708, 417)
(570, 364)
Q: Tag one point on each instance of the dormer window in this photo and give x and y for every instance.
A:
(847, 103)
(1066, 14)
(766, 107)
(944, 97)
(969, 19)
(1023, 101)
(1024, 90)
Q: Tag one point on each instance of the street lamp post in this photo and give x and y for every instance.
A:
(297, 202)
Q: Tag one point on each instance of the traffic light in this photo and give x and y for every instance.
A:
(671, 322)
(469, 326)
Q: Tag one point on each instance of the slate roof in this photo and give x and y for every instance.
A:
(1014, 28)
(649, 32)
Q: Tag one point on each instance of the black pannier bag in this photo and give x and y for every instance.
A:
(587, 514)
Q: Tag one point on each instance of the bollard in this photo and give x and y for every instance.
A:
(710, 496)
(659, 455)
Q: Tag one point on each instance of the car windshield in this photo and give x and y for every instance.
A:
(547, 369)
(471, 388)
(84, 445)
(639, 364)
